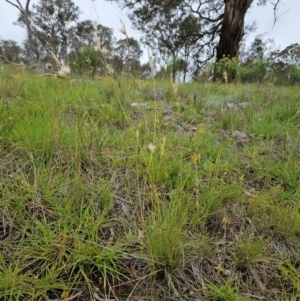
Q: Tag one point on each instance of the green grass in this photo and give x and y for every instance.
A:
(127, 190)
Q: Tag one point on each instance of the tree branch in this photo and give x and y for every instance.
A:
(9, 62)
(20, 4)
(275, 5)
(25, 12)
(275, 9)
(20, 8)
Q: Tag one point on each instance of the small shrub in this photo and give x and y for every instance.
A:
(86, 61)
(294, 75)
(228, 65)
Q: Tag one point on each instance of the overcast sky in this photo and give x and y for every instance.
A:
(285, 32)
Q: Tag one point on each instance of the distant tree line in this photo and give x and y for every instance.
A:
(54, 28)
(196, 39)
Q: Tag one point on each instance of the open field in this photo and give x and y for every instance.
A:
(115, 189)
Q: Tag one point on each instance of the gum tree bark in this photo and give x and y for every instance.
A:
(25, 13)
(232, 29)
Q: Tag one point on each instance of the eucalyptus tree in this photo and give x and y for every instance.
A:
(260, 48)
(92, 47)
(215, 28)
(25, 13)
(86, 32)
(52, 20)
(83, 34)
(10, 51)
(126, 57)
(49, 25)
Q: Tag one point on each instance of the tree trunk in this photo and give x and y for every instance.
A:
(26, 13)
(27, 22)
(232, 30)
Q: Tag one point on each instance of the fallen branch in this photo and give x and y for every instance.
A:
(9, 62)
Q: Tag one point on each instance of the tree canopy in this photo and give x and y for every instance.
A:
(187, 31)
(195, 30)
(51, 22)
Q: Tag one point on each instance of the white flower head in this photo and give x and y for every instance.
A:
(96, 41)
(64, 71)
(151, 147)
(104, 50)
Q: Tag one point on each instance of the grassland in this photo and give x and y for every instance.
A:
(115, 189)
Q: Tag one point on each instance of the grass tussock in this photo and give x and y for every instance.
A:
(117, 189)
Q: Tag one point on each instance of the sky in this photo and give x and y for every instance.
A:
(285, 32)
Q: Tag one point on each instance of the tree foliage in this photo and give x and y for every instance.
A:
(25, 15)
(10, 51)
(127, 53)
(55, 29)
(259, 49)
(175, 28)
(52, 22)
(91, 48)
(85, 32)
(195, 30)
(174, 70)
(51, 26)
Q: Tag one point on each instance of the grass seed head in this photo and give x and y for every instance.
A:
(96, 41)
(225, 76)
(64, 71)
(151, 147)
(150, 60)
(123, 30)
